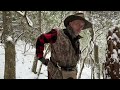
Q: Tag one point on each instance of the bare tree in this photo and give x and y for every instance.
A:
(96, 58)
(9, 72)
(35, 58)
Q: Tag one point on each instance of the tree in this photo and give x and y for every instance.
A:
(35, 58)
(96, 58)
(112, 64)
(9, 72)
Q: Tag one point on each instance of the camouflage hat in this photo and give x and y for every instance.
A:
(77, 16)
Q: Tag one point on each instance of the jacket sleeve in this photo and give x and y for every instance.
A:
(49, 37)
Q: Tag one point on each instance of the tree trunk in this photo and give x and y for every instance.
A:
(39, 21)
(97, 71)
(35, 58)
(9, 72)
(9, 61)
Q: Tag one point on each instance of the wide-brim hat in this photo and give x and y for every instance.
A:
(77, 16)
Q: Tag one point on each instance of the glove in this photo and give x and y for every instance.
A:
(44, 61)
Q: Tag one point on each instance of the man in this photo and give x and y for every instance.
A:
(65, 50)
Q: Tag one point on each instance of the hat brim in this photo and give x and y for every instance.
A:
(73, 17)
(87, 24)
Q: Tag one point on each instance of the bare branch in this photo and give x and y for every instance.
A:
(84, 49)
(29, 22)
(100, 29)
(19, 37)
(98, 36)
(21, 13)
(24, 14)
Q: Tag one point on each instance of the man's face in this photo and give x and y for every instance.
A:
(77, 26)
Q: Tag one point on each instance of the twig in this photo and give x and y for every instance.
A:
(84, 49)
(98, 36)
(100, 29)
(19, 37)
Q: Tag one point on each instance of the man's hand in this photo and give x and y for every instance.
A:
(44, 61)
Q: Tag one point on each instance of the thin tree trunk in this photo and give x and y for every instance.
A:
(47, 51)
(35, 58)
(96, 58)
(82, 65)
(39, 20)
(34, 66)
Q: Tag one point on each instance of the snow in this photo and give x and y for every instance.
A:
(2, 62)
(118, 51)
(24, 62)
(96, 43)
(115, 36)
(117, 31)
(22, 13)
(114, 55)
(86, 73)
(1, 33)
(9, 38)
(115, 43)
(29, 21)
(109, 38)
(118, 26)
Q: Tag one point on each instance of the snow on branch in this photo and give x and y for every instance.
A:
(30, 23)
(118, 51)
(109, 38)
(21, 13)
(115, 55)
(1, 31)
(9, 38)
(24, 14)
(114, 36)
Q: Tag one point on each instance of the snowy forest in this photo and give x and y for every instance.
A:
(19, 30)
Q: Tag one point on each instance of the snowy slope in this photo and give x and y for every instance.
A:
(24, 63)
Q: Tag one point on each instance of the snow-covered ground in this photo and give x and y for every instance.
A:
(24, 62)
